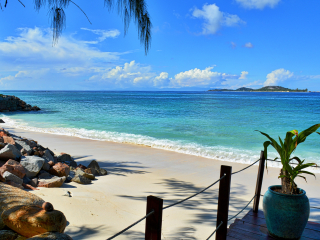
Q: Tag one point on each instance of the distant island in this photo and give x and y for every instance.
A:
(263, 89)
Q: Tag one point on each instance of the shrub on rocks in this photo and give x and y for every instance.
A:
(32, 164)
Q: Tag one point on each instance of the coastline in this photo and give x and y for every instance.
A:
(101, 209)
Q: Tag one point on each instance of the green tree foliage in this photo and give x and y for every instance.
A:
(128, 9)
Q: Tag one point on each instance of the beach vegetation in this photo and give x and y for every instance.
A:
(127, 9)
(285, 149)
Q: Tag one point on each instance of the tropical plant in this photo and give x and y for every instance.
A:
(288, 172)
(128, 9)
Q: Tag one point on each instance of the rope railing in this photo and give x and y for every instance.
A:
(242, 209)
(181, 201)
(127, 228)
(246, 167)
(215, 230)
(208, 186)
(194, 194)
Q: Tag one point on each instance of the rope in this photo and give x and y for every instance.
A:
(290, 163)
(150, 213)
(246, 167)
(208, 186)
(215, 230)
(242, 209)
(194, 194)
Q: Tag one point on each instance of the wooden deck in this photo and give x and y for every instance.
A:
(253, 227)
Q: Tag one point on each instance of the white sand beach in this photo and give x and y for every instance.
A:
(112, 202)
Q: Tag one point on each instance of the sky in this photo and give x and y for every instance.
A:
(196, 45)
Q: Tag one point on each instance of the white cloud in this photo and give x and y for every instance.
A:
(244, 75)
(214, 18)
(32, 49)
(277, 76)
(8, 78)
(258, 4)
(130, 74)
(197, 78)
(160, 80)
(248, 45)
(104, 34)
(135, 75)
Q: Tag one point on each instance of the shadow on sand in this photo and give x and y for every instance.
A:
(114, 168)
(203, 206)
(84, 232)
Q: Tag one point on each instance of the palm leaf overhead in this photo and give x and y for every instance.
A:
(127, 9)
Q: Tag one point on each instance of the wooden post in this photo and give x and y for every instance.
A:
(259, 183)
(223, 202)
(154, 221)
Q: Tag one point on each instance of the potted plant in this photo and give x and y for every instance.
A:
(286, 207)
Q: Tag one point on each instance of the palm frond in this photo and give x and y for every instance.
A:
(136, 9)
(58, 22)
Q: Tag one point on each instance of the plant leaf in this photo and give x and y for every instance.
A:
(304, 134)
(273, 143)
(306, 172)
(302, 177)
(297, 159)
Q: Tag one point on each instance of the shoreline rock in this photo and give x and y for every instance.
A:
(25, 164)
(10, 103)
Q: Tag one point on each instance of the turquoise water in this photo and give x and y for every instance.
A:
(218, 125)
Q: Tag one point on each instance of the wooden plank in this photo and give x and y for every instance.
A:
(311, 231)
(263, 231)
(242, 234)
(258, 214)
(231, 238)
(310, 225)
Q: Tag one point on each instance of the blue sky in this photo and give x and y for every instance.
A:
(196, 45)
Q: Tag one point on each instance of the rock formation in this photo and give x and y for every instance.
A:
(11, 103)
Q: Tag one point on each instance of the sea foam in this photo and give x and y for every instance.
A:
(221, 153)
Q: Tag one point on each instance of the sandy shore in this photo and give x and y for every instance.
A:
(112, 202)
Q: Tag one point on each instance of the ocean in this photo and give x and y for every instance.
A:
(216, 125)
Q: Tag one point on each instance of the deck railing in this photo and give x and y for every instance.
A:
(155, 205)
